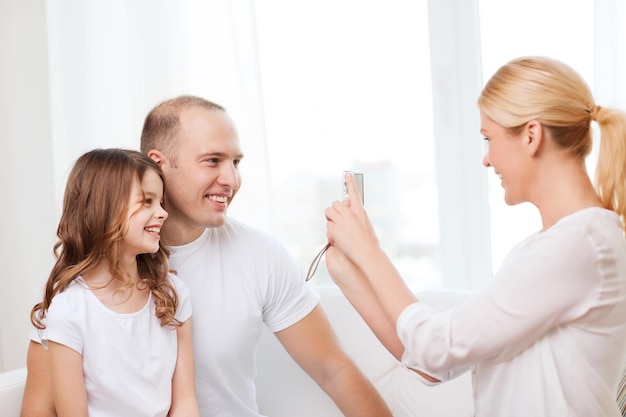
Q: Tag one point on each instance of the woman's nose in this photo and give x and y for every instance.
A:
(486, 163)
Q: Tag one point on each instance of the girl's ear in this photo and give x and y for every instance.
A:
(533, 137)
(157, 156)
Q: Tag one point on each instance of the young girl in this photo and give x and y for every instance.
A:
(116, 324)
(548, 336)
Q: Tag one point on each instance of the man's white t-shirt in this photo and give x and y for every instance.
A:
(240, 280)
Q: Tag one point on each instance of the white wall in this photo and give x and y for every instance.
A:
(27, 218)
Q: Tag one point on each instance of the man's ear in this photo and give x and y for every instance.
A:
(157, 156)
(533, 137)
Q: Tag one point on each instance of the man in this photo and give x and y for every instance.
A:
(240, 279)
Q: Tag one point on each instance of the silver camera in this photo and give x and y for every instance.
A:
(358, 179)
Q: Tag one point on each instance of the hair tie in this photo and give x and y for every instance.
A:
(593, 113)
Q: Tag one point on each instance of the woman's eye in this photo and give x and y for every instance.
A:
(148, 201)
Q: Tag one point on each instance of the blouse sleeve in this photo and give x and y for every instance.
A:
(545, 281)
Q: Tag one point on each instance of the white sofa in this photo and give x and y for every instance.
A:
(11, 390)
(284, 390)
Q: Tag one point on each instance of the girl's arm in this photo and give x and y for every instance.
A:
(184, 403)
(37, 400)
(68, 383)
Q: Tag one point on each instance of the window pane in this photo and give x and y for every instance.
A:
(561, 29)
(346, 85)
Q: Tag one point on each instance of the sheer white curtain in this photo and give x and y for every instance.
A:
(112, 61)
(81, 74)
(77, 75)
(610, 52)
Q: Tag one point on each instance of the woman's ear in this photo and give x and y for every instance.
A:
(533, 137)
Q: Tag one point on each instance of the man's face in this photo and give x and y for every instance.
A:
(205, 177)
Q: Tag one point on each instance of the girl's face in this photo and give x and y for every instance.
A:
(505, 154)
(145, 215)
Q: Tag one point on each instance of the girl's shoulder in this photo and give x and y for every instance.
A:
(75, 289)
(70, 303)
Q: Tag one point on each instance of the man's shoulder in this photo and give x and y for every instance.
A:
(253, 241)
(236, 228)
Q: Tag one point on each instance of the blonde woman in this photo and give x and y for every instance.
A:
(548, 336)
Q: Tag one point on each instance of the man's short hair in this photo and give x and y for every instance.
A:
(162, 124)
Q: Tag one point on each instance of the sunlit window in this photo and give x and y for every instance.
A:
(347, 90)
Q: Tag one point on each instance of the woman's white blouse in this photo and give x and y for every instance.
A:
(548, 336)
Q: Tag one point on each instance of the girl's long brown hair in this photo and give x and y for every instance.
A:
(92, 227)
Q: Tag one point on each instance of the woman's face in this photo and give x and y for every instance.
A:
(506, 155)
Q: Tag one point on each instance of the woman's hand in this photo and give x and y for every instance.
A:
(344, 272)
(348, 227)
(360, 267)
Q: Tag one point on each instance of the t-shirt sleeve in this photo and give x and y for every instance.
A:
(183, 312)
(63, 323)
(288, 297)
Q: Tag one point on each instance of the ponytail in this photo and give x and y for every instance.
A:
(611, 167)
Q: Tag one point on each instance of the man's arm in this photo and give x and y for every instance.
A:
(312, 343)
(37, 400)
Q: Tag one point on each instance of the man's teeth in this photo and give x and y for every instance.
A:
(219, 199)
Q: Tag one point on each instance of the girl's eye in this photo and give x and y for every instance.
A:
(148, 201)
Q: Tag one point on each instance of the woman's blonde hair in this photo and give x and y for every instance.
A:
(92, 228)
(551, 92)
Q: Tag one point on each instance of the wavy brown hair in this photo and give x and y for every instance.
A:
(92, 228)
(551, 92)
